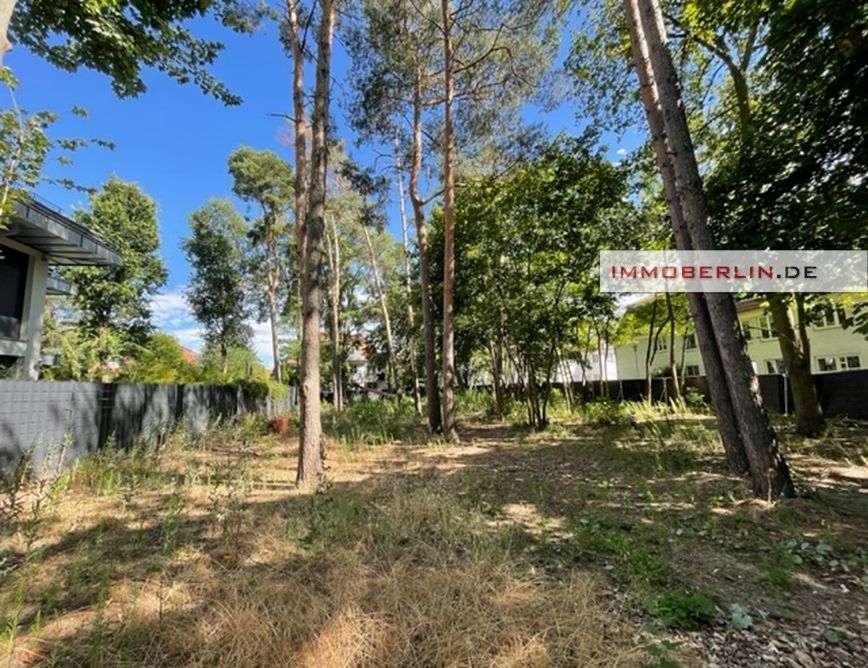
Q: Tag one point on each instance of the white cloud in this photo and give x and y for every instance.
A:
(171, 314)
(621, 151)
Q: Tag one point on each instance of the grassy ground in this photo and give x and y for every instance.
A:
(579, 546)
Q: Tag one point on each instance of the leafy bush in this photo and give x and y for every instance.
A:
(475, 403)
(557, 406)
(260, 389)
(694, 400)
(372, 422)
(112, 468)
(682, 610)
(605, 413)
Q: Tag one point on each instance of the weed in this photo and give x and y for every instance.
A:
(683, 610)
(660, 655)
(631, 547)
(776, 569)
(605, 413)
(372, 422)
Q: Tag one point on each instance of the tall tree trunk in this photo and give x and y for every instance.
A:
(333, 248)
(432, 386)
(650, 350)
(408, 280)
(6, 9)
(673, 367)
(449, 430)
(769, 472)
(272, 279)
(384, 309)
(568, 381)
(301, 183)
(310, 452)
(796, 353)
(714, 375)
(497, 372)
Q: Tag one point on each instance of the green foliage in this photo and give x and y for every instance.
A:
(26, 147)
(216, 252)
(682, 610)
(481, 405)
(635, 550)
(263, 179)
(530, 240)
(112, 304)
(113, 469)
(160, 360)
(604, 413)
(793, 177)
(120, 38)
(776, 569)
(372, 422)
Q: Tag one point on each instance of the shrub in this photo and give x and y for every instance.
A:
(371, 422)
(605, 413)
(278, 424)
(682, 610)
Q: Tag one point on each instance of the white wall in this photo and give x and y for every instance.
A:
(833, 341)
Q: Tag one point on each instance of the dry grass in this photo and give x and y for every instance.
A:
(510, 549)
(231, 567)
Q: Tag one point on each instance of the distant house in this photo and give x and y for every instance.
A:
(189, 356)
(35, 239)
(833, 348)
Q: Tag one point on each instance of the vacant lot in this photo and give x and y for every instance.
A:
(579, 546)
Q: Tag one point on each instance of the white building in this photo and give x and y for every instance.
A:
(833, 348)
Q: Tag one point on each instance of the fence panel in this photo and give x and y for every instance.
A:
(45, 418)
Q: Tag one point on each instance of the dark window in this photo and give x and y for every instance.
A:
(827, 364)
(691, 370)
(13, 279)
(775, 366)
(850, 362)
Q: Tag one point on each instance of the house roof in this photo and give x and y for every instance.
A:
(57, 286)
(64, 241)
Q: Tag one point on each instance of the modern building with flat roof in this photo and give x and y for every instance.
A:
(35, 238)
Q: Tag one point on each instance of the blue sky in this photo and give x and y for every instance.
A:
(174, 141)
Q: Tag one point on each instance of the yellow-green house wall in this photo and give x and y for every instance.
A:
(833, 341)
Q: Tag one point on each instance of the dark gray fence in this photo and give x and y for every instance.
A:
(843, 393)
(81, 417)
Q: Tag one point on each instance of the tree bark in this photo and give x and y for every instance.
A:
(673, 368)
(449, 429)
(796, 353)
(408, 285)
(384, 309)
(650, 350)
(272, 278)
(310, 451)
(333, 249)
(301, 182)
(6, 9)
(769, 472)
(497, 371)
(432, 386)
(717, 388)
